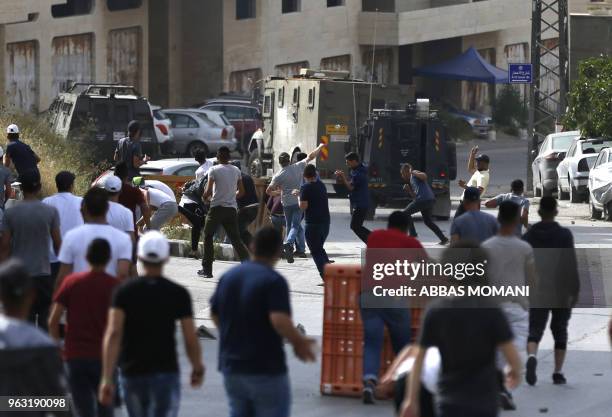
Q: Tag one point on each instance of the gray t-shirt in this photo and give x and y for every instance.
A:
(30, 224)
(522, 202)
(288, 179)
(5, 176)
(225, 179)
(474, 225)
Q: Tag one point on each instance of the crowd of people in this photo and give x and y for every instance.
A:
(76, 258)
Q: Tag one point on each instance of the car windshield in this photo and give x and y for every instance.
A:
(562, 142)
(595, 147)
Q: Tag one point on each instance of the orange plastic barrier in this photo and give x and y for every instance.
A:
(342, 350)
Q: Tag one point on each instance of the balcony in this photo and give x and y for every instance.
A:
(428, 20)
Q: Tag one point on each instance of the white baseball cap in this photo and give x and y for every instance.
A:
(12, 129)
(112, 184)
(153, 247)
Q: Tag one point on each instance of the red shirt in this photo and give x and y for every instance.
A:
(392, 239)
(87, 298)
(131, 197)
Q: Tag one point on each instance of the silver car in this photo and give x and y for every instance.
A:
(216, 117)
(193, 131)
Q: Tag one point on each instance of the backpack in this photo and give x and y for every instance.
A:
(194, 189)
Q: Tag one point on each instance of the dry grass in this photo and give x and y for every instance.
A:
(57, 154)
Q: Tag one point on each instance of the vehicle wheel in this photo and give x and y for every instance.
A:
(607, 211)
(255, 167)
(595, 214)
(196, 146)
(536, 190)
(574, 195)
(561, 195)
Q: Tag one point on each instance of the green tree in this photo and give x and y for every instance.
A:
(590, 98)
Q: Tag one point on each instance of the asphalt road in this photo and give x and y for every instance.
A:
(588, 366)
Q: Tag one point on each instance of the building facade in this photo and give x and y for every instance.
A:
(155, 45)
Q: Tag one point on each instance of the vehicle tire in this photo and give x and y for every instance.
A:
(255, 166)
(574, 195)
(561, 195)
(607, 211)
(536, 190)
(595, 214)
(195, 146)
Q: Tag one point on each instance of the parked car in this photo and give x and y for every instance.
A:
(182, 167)
(545, 161)
(163, 130)
(600, 185)
(244, 115)
(215, 117)
(479, 123)
(192, 131)
(573, 171)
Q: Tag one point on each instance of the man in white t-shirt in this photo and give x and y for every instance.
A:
(511, 264)
(223, 187)
(478, 167)
(205, 164)
(74, 247)
(68, 206)
(163, 206)
(118, 216)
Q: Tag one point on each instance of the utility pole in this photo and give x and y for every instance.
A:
(549, 21)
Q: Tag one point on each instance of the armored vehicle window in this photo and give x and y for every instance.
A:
(281, 97)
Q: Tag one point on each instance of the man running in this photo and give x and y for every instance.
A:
(474, 225)
(146, 353)
(283, 183)
(478, 167)
(19, 154)
(515, 195)
(129, 150)
(423, 201)
(359, 197)
(557, 291)
(223, 187)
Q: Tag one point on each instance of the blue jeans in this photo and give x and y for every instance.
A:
(295, 231)
(258, 395)
(84, 379)
(374, 321)
(315, 237)
(152, 395)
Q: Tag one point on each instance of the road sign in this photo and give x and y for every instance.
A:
(519, 73)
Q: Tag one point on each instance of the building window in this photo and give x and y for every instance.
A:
(290, 70)
(336, 63)
(383, 6)
(245, 9)
(72, 8)
(243, 82)
(334, 3)
(291, 6)
(116, 5)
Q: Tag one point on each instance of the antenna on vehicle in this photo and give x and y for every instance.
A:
(372, 70)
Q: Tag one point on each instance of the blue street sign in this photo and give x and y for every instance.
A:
(519, 73)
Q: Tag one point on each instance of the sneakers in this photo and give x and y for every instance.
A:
(506, 401)
(530, 374)
(368, 391)
(300, 255)
(288, 252)
(559, 379)
(205, 274)
(444, 242)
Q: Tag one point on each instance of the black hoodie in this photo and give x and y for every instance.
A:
(558, 280)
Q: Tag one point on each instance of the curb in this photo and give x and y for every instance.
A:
(223, 251)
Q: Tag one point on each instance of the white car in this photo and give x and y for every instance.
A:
(573, 171)
(217, 118)
(600, 186)
(183, 167)
(163, 130)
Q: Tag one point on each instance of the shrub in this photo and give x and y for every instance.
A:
(510, 110)
(57, 154)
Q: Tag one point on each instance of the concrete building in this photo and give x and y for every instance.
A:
(170, 50)
(272, 37)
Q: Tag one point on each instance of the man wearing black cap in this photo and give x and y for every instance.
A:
(474, 225)
(26, 231)
(129, 150)
(478, 167)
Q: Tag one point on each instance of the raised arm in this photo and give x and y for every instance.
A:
(312, 155)
(472, 160)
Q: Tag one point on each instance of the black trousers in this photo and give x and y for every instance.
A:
(246, 216)
(460, 210)
(426, 209)
(39, 314)
(358, 216)
(196, 215)
(538, 317)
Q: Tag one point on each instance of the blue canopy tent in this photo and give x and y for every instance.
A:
(469, 66)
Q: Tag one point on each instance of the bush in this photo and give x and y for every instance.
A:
(57, 154)
(590, 99)
(510, 111)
